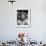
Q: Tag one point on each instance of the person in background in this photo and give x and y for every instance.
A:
(22, 18)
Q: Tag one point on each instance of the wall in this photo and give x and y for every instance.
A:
(8, 28)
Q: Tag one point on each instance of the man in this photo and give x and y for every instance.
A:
(22, 18)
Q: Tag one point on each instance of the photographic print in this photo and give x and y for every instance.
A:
(23, 18)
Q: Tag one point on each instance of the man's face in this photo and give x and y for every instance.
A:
(23, 15)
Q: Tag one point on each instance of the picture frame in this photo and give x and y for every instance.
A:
(23, 17)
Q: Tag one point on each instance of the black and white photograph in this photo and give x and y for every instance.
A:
(23, 17)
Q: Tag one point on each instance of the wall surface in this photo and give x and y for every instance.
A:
(8, 30)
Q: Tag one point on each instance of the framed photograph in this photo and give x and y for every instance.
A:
(23, 17)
